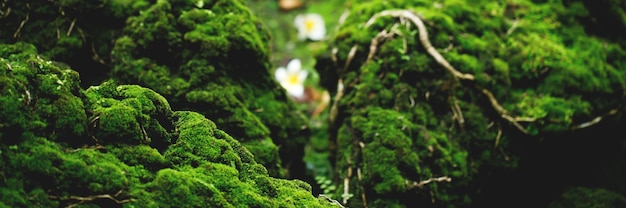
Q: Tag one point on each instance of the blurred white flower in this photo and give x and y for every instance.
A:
(292, 78)
(310, 26)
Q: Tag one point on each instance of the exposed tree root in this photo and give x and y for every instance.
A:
(423, 36)
(414, 184)
(83, 199)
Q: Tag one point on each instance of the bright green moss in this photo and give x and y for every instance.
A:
(140, 117)
(531, 55)
(38, 95)
(140, 154)
(143, 155)
(192, 55)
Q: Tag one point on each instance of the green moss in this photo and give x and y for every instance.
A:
(402, 110)
(192, 56)
(589, 197)
(39, 96)
(136, 152)
(139, 117)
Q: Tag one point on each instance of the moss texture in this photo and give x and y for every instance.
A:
(210, 57)
(213, 59)
(404, 119)
(119, 145)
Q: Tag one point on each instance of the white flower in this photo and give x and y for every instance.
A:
(310, 26)
(292, 78)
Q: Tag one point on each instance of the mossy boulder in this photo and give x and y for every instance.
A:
(210, 57)
(125, 147)
(213, 58)
(412, 130)
(38, 96)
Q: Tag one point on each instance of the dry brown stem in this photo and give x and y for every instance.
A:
(423, 36)
(414, 184)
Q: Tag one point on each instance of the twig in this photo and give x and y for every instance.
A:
(498, 136)
(95, 56)
(69, 31)
(503, 113)
(4, 14)
(26, 92)
(333, 55)
(346, 186)
(332, 201)
(350, 57)
(513, 27)
(423, 36)
(594, 121)
(458, 113)
(374, 44)
(363, 197)
(334, 111)
(427, 181)
(17, 32)
(83, 199)
(144, 133)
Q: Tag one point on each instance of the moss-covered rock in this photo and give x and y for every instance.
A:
(404, 122)
(213, 58)
(38, 96)
(206, 56)
(125, 147)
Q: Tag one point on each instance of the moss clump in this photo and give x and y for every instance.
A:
(129, 114)
(135, 152)
(75, 32)
(404, 118)
(38, 96)
(192, 55)
(182, 50)
(589, 197)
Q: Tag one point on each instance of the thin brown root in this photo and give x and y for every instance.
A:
(83, 199)
(346, 186)
(334, 108)
(350, 57)
(17, 32)
(332, 201)
(412, 185)
(363, 197)
(513, 27)
(594, 121)
(95, 56)
(498, 136)
(333, 55)
(69, 31)
(503, 113)
(423, 36)
(458, 113)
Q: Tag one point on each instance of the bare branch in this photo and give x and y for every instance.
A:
(458, 113)
(83, 199)
(350, 57)
(503, 113)
(595, 121)
(332, 201)
(423, 36)
(69, 31)
(498, 136)
(346, 186)
(513, 27)
(412, 185)
(334, 108)
(17, 32)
